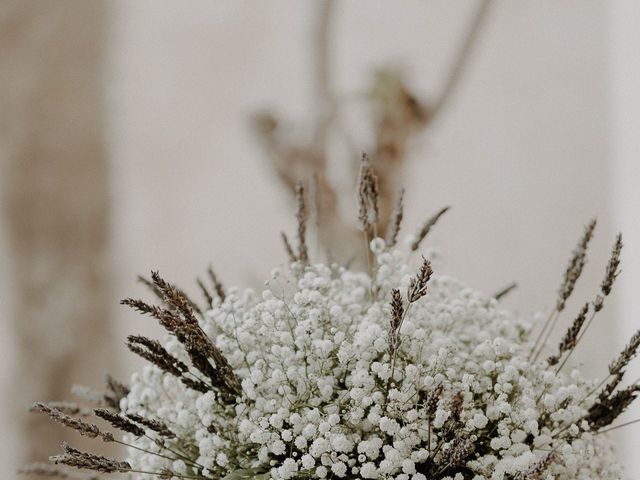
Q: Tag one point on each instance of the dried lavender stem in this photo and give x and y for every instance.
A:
(552, 325)
(168, 474)
(125, 444)
(549, 320)
(637, 420)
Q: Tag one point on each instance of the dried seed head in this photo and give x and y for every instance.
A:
(457, 403)
(80, 426)
(458, 452)
(397, 309)
(418, 285)
(119, 421)
(367, 196)
(611, 273)
(426, 228)
(155, 353)
(217, 285)
(628, 354)
(301, 217)
(205, 293)
(570, 338)
(396, 221)
(149, 284)
(397, 314)
(68, 408)
(431, 402)
(575, 267)
(157, 426)
(116, 391)
(75, 458)
(605, 411)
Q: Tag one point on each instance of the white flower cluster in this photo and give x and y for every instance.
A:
(323, 397)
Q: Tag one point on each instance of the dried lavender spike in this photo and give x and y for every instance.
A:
(505, 291)
(458, 453)
(141, 306)
(575, 266)
(175, 298)
(628, 354)
(611, 273)
(217, 285)
(396, 221)
(397, 314)
(68, 408)
(456, 406)
(301, 217)
(610, 387)
(367, 195)
(155, 353)
(116, 392)
(157, 426)
(426, 228)
(431, 403)
(194, 306)
(80, 426)
(570, 339)
(397, 309)
(118, 421)
(418, 285)
(149, 284)
(205, 293)
(75, 458)
(605, 411)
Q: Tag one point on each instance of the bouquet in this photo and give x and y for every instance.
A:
(395, 372)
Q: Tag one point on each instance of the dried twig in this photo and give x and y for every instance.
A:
(426, 228)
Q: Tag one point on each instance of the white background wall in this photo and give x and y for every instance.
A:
(540, 138)
(625, 95)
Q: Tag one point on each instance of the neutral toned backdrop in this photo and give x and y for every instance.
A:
(539, 138)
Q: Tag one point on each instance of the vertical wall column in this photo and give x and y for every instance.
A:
(54, 194)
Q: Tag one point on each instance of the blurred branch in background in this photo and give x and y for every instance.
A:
(55, 202)
(397, 117)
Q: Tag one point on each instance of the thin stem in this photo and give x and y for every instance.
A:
(618, 426)
(164, 474)
(178, 454)
(144, 450)
(550, 319)
(546, 337)
(395, 350)
(595, 389)
(586, 327)
(577, 342)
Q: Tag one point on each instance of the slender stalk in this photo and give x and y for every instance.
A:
(552, 317)
(618, 426)
(566, 359)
